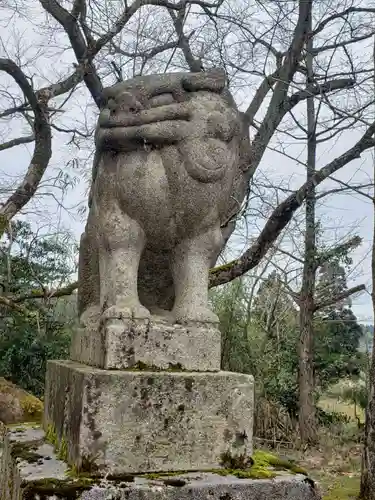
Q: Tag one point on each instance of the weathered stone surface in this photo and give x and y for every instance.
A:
(138, 421)
(27, 458)
(212, 486)
(129, 343)
(168, 178)
(30, 470)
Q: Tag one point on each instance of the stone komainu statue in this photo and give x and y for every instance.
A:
(169, 175)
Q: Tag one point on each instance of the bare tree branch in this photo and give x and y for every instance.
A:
(275, 115)
(329, 86)
(194, 64)
(42, 150)
(286, 72)
(148, 54)
(284, 213)
(338, 298)
(344, 43)
(16, 142)
(43, 294)
(343, 14)
(77, 40)
(5, 301)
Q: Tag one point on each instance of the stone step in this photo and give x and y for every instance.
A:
(31, 470)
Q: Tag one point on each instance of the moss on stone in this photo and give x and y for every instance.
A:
(65, 489)
(25, 451)
(17, 405)
(262, 465)
(154, 476)
(266, 459)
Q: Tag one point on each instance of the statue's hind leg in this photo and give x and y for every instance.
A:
(88, 297)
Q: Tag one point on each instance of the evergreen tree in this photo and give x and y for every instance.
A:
(30, 265)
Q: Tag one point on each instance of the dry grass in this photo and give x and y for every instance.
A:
(336, 463)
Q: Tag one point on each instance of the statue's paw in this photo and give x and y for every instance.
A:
(126, 310)
(195, 315)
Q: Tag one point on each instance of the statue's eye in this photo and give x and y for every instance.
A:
(111, 104)
(222, 126)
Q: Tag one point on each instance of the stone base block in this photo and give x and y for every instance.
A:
(128, 343)
(140, 421)
(30, 470)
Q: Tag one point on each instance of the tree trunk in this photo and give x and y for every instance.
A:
(307, 420)
(368, 458)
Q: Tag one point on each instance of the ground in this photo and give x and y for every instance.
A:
(336, 464)
(337, 471)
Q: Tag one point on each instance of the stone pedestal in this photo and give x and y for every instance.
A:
(127, 343)
(31, 470)
(144, 421)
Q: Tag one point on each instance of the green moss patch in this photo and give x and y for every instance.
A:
(64, 489)
(262, 465)
(26, 452)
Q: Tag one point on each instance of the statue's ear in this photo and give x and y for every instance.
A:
(213, 80)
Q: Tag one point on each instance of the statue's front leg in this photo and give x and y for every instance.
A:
(122, 240)
(190, 265)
